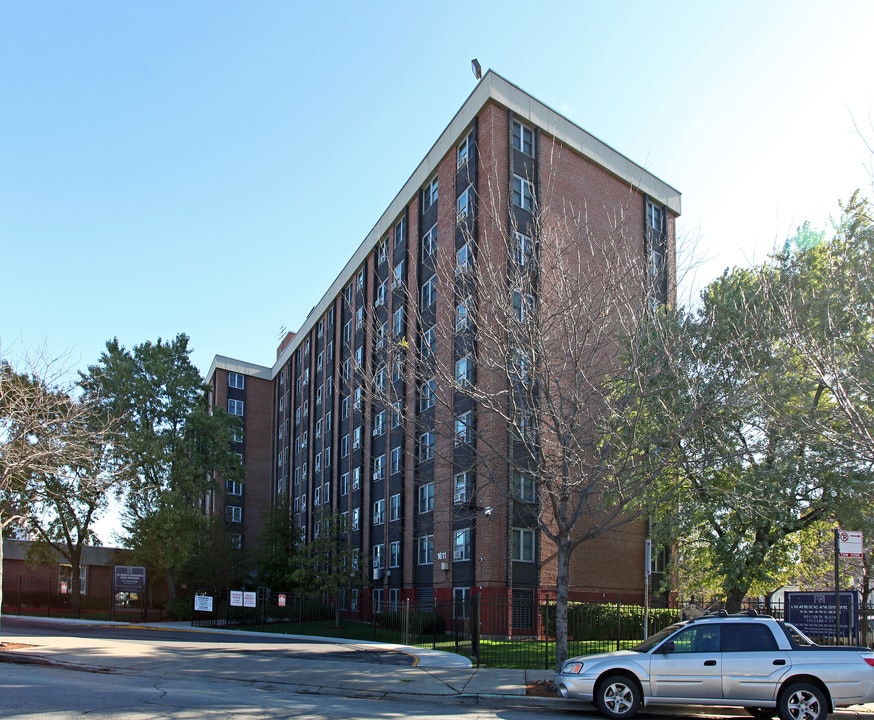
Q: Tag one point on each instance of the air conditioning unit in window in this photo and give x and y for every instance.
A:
(458, 555)
(377, 518)
(377, 573)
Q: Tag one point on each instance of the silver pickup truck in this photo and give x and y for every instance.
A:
(754, 661)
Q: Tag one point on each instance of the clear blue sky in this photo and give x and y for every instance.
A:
(208, 167)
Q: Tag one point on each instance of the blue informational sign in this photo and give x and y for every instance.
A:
(814, 613)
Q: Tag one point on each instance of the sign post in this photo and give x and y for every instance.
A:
(848, 544)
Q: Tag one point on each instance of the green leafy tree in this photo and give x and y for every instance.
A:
(276, 553)
(781, 453)
(171, 441)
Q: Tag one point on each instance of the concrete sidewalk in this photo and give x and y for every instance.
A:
(304, 664)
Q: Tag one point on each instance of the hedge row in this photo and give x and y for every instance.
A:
(590, 621)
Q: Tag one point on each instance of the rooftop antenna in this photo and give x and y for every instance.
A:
(476, 68)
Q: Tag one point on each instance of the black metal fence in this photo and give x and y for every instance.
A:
(491, 632)
(44, 597)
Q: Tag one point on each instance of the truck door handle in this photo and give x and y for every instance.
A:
(779, 661)
(710, 663)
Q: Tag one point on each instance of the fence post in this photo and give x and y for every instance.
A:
(618, 621)
(434, 625)
(546, 633)
(474, 636)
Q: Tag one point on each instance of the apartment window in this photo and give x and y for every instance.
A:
(235, 407)
(379, 467)
(394, 554)
(395, 460)
(464, 371)
(429, 194)
(429, 341)
(462, 314)
(379, 423)
(232, 487)
(377, 600)
(296, 476)
(461, 546)
(429, 292)
(400, 232)
(317, 495)
(356, 403)
(426, 498)
(464, 204)
(463, 259)
(344, 408)
(319, 428)
(394, 508)
(379, 378)
(464, 428)
(397, 367)
(236, 380)
(523, 249)
(427, 394)
(330, 350)
(360, 279)
(460, 603)
(234, 513)
(381, 293)
(236, 540)
(429, 242)
(379, 512)
(359, 318)
(317, 530)
(320, 330)
(523, 193)
(353, 601)
(462, 487)
(356, 438)
(319, 395)
(296, 505)
(317, 462)
(396, 415)
(306, 408)
(344, 446)
(344, 484)
(397, 322)
(398, 274)
(237, 433)
(327, 457)
(523, 487)
(381, 251)
(523, 138)
(328, 416)
(465, 150)
(523, 545)
(426, 550)
(356, 478)
(523, 305)
(356, 518)
(426, 446)
(305, 439)
(347, 331)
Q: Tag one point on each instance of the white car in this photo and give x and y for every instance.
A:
(749, 660)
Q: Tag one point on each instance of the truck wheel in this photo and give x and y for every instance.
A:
(802, 701)
(618, 697)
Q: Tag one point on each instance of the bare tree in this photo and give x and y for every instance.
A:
(51, 475)
(546, 368)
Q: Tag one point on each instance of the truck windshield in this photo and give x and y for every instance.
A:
(654, 640)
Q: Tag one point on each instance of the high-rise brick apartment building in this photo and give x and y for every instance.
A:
(357, 428)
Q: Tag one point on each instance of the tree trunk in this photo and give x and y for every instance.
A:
(2, 528)
(561, 600)
(735, 598)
